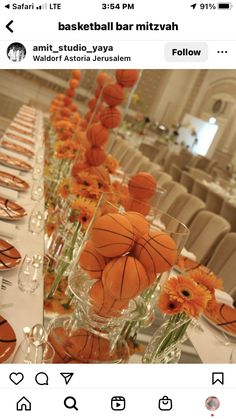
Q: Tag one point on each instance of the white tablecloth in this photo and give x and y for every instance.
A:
(26, 309)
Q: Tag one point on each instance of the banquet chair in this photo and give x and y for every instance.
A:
(185, 207)
(223, 182)
(148, 150)
(170, 159)
(173, 190)
(122, 150)
(161, 177)
(214, 201)
(187, 180)
(199, 189)
(119, 142)
(146, 167)
(206, 230)
(175, 172)
(126, 159)
(222, 262)
(228, 211)
(161, 155)
(142, 164)
(110, 143)
(200, 174)
(133, 163)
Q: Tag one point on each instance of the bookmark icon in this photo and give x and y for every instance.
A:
(67, 376)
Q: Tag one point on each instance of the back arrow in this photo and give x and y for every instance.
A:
(8, 26)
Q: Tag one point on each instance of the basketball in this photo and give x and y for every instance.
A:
(7, 340)
(139, 223)
(113, 94)
(95, 156)
(112, 235)
(138, 205)
(156, 251)
(91, 261)
(97, 134)
(127, 78)
(73, 83)
(142, 185)
(110, 117)
(103, 303)
(124, 278)
(103, 78)
(67, 101)
(76, 74)
(70, 92)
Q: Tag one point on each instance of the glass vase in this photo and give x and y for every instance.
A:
(165, 345)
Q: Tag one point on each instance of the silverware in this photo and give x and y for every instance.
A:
(5, 283)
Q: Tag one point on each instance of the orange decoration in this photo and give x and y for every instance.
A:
(156, 251)
(142, 185)
(67, 101)
(70, 92)
(97, 92)
(110, 117)
(103, 78)
(73, 83)
(95, 156)
(92, 261)
(76, 74)
(113, 94)
(92, 117)
(127, 78)
(138, 205)
(92, 103)
(124, 278)
(97, 134)
(113, 235)
(65, 112)
(139, 223)
(103, 303)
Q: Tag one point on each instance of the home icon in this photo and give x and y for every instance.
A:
(23, 404)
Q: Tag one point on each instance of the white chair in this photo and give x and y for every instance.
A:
(187, 180)
(199, 189)
(228, 211)
(222, 262)
(185, 207)
(175, 172)
(161, 177)
(206, 230)
(173, 190)
(214, 202)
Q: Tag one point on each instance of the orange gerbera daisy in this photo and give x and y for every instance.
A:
(208, 280)
(194, 298)
(168, 305)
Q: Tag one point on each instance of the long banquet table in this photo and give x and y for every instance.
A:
(19, 308)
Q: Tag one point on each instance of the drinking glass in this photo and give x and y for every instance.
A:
(30, 353)
(37, 190)
(36, 221)
(30, 273)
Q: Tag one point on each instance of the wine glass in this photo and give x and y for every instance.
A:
(37, 190)
(30, 274)
(29, 353)
(36, 221)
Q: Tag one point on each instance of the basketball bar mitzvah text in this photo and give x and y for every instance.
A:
(116, 26)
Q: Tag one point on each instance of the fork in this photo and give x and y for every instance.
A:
(5, 283)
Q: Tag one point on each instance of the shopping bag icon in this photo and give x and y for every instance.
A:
(165, 403)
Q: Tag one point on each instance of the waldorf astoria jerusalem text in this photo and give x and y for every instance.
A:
(116, 26)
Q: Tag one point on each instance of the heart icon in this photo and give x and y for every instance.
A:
(16, 377)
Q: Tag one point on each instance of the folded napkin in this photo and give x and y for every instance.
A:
(8, 193)
(188, 255)
(223, 297)
(7, 230)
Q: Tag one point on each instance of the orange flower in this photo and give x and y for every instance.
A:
(50, 228)
(208, 280)
(194, 298)
(111, 164)
(84, 210)
(168, 305)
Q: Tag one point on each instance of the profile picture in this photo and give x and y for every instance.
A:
(16, 52)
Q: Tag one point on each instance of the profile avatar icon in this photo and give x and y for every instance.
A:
(16, 52)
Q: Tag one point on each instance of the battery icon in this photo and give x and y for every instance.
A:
(225, 6)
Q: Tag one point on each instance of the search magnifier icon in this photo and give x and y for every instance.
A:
(70, 403)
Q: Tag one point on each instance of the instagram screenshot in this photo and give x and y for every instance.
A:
(117, 209)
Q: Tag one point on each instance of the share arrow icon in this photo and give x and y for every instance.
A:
(67, 376)
(193, 5)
